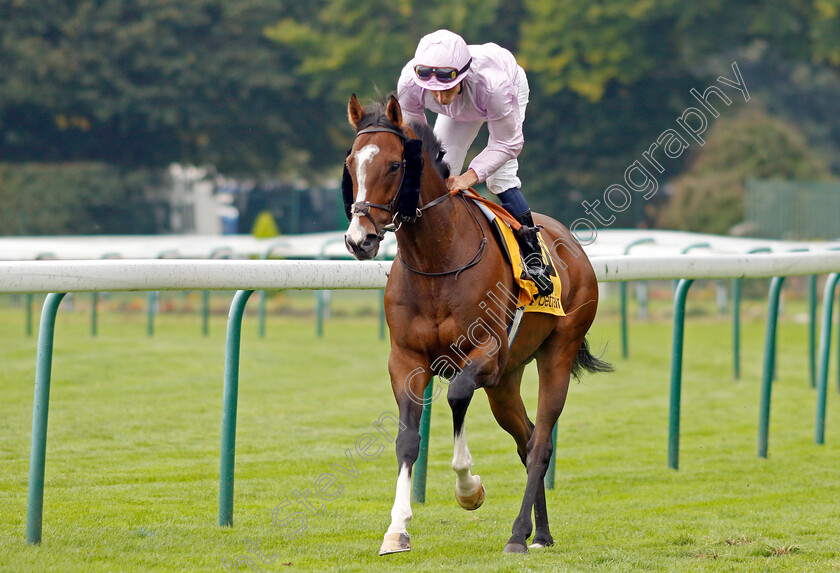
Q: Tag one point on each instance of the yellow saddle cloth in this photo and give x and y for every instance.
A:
(528, 297)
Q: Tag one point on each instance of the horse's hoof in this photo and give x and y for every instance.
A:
(516, 548)
(474, 501)
(395, 543)
(541, 542)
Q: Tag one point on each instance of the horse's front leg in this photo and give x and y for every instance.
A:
(469, 491)
(409, 386)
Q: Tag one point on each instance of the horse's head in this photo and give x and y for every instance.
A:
(381, 182)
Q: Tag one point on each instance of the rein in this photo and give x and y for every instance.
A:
(479, 254)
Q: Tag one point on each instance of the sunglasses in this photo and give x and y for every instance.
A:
(443, 75)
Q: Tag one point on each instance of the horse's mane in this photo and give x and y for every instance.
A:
(375, 116)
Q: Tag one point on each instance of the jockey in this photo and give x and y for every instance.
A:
(468, 86)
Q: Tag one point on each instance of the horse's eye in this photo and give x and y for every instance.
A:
(395, 166)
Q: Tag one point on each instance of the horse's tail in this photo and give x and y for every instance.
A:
(586, 361)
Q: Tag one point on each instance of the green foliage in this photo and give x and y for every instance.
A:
(825, 32)
(75, 198)
(149, 82)
(259, 87)
(709, 197)
(582, 46)
(353, 46)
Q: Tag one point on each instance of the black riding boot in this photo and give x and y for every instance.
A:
(532, 254)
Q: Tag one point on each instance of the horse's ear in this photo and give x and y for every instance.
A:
(394, 112)
(354, 111)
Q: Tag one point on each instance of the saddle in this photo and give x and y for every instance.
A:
(504, 225)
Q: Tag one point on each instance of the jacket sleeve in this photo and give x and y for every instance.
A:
(506, 142)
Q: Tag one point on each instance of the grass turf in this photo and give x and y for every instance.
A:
(133, 454)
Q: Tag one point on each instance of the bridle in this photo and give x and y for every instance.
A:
(405, 199)
(412, 164)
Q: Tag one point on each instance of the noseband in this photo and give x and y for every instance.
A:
(408, 192)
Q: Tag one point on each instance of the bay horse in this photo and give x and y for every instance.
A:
(438, 307)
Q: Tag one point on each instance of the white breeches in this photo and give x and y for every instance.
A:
(457, 137)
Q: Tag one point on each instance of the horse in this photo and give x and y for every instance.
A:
(438, 308)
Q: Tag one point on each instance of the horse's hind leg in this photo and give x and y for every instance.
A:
(509, 411)
(506, 404)
(542, 534)
(554, 364)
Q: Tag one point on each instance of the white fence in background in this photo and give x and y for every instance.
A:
(608, 242)
(108, 275)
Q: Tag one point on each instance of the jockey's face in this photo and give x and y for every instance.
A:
(446, 97)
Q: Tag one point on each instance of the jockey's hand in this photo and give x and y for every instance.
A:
(462, 182)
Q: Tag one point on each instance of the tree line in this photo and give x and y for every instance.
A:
(259, 87)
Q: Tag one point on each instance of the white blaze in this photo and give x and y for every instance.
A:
(356, 232)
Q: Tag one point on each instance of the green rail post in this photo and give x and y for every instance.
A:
(812, 329)
(205, 312)
(229, 406)
(40, 413)
(825, 351)
(736, 317)
(382, 314)
(676, 372)
(150, 318)
(838, 339)
(704, 245)
(94, 315)
(320, 299)
(769, 364)
(263, 295)
(418, 485)
(28, 302)
(622, 293)
(838, 369)
(623, 298)
(549, 473)
(736, 327)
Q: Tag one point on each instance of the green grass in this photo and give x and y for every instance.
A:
(133, 453)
